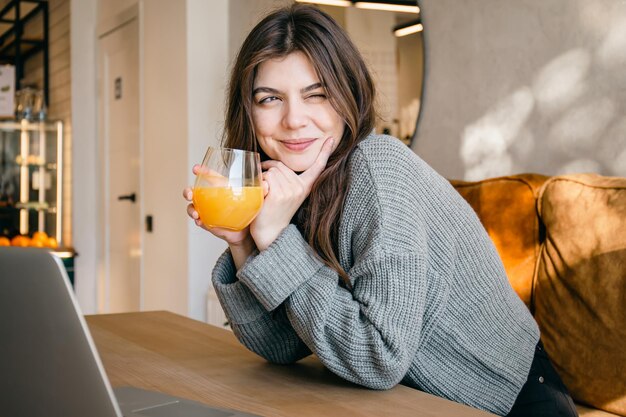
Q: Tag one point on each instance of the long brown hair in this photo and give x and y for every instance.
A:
(349, 88)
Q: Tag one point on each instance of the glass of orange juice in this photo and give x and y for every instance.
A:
(227, 192)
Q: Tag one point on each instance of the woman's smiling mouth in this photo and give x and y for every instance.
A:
(297, 145)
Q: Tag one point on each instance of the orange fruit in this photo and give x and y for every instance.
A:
(37, 243)
(4, 241)
(20, 240)
(43, 236)
(52, 243)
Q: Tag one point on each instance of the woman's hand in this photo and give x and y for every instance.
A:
(240, 242)
(286, 191)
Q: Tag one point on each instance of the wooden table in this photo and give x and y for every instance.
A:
(173, 354)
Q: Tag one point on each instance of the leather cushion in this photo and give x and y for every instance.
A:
(506, 207)
(592, 412)
(580, 291)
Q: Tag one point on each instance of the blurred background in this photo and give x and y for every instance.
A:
(106, 105)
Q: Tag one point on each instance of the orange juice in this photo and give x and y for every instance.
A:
(228, 207)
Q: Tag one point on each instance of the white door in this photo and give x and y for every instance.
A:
(120, 168)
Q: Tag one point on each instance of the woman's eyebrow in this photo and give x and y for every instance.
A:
(311, 87)
(265, 90)
(275, 91)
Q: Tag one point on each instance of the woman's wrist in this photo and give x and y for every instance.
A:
(240, 251)
(267, 237)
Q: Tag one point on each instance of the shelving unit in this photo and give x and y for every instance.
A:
(31, 183)
(16, 42)
(31, 175)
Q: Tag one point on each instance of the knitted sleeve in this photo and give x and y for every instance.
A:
(368, 336)
(269, 334)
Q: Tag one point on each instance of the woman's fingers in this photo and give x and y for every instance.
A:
(288, 178)
(284, 174)
(191, 212)
(205, 171)
(270, 163)
(270, 185)
(188, 194)
(284, 180)
(310, 175)
(266, 188)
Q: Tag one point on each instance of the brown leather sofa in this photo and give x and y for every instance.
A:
(562, 240)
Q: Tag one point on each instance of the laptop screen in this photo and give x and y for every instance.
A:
(48, 362)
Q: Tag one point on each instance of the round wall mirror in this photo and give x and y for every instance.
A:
(391, 42)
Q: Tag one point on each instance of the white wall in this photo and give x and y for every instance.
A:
(524, 86)
(183, 63)
(108, 9)
(165, 141)
(84, 161)
(243, 15)
(207, 58)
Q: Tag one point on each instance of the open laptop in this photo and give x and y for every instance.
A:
(48, 361)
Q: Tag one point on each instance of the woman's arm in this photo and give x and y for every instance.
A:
(241, 251)
(368, 335)
(269, 334)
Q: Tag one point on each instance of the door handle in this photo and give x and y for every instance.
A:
(132, 197)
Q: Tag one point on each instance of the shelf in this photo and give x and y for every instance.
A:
(35, 205)
(8, 17)
(50, 166)
(21, 38)
(35, 162)
(24, 208)
(28, 47)
(13, 126)
(28, 206)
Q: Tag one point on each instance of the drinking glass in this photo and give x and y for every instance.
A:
(228, 192)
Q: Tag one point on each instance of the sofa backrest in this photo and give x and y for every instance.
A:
(563, 244)
(580, 289)
(506, 207)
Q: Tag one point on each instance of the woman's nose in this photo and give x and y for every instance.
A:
(295, 115)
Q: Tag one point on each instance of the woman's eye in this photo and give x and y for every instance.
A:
(316, 97)
(268, 99)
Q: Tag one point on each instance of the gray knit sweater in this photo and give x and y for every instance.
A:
(430, 307)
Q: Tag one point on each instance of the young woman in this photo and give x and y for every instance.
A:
(362, 253)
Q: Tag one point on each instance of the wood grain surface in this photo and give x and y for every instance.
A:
(179, 356)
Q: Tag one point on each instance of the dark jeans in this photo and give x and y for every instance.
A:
(543, 394)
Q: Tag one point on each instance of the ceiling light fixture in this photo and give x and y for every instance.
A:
(340, 3)
(405, 6)
(408, 28)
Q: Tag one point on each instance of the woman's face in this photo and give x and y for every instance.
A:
(291, 111)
